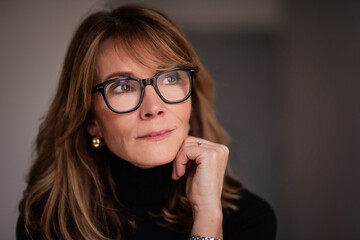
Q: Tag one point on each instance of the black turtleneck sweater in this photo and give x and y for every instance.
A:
(143, 190)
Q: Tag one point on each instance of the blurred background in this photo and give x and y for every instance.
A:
(287, 76)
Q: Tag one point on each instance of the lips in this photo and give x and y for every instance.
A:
(156, 135)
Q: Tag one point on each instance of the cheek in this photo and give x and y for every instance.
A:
(182, 112)
(185, 112)
(113, 127)
(118, 135)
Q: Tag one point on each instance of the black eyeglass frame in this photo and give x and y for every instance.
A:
(143, 83)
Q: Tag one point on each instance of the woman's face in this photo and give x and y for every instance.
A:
(147, 137)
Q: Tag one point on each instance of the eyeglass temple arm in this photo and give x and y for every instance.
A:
(96, 89)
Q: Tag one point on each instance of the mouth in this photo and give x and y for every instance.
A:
(156, 135)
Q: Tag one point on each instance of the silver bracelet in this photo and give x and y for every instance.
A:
(196, 237)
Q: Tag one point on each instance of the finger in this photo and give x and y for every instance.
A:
(189, 153)
(182, 158)
(179, 164)
(196, 149)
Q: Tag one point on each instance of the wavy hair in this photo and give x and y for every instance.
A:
(70, 194)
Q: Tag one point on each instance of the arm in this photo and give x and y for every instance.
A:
(206, 164)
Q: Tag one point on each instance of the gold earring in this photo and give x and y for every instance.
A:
(97, 142)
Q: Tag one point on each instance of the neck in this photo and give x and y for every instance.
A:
(140, 187)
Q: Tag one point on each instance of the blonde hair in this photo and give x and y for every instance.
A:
(70, 194)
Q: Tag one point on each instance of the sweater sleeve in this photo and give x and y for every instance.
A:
(254, 219)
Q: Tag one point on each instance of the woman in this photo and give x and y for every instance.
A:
(130, 147)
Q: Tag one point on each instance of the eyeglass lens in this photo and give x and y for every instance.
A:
(125, 94)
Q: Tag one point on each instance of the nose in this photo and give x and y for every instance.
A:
(152, 106)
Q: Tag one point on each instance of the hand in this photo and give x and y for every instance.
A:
(206, 164)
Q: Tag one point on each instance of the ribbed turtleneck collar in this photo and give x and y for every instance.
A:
(140, 188)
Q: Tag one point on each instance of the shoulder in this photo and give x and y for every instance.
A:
(23, 234)
(254, 219)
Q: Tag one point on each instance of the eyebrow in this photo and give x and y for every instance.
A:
(121, 74)
(118, 74)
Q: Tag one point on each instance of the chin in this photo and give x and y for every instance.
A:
(150, 160)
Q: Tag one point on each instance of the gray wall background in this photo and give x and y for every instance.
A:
(287, 78)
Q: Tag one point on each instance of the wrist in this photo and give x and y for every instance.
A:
(210, 213)
(209, 218)
(208, 223)
(214, 208)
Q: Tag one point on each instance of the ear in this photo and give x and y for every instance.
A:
(94, 129)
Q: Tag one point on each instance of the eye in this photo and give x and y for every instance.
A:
(123, 86)
(170, 78)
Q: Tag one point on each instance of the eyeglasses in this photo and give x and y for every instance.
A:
(125, 94)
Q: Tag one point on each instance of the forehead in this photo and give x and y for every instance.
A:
(113, 57)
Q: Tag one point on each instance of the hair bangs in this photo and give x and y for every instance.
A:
(151, 47)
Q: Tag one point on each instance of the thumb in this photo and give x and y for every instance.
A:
(179, 165)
